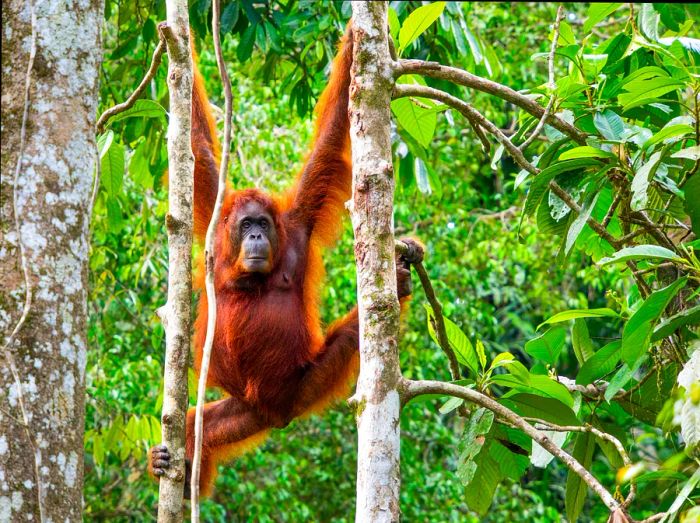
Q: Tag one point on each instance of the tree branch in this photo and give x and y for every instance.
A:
(412, 389)
(155, 62)
(461, 77)
(209, 260)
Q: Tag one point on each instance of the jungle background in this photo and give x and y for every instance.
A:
(498, 276)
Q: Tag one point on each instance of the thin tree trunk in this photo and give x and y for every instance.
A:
(377, 397)
(177, 311)
(51, 52)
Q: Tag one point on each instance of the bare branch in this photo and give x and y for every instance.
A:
(550, 84)
(155, 62)
(412, 389)
(461, 77)
(209, 258)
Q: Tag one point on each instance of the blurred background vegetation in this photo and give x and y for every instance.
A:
(496, 280)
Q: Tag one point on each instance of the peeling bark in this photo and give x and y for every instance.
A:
(377, 397)
(46, 183)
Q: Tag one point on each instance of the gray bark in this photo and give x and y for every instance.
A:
(46, 184)
(177, 312)
(377, 396)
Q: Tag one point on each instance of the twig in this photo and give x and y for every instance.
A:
(439, 321)
(611, 211)
(119, 108)
(403, 90)
(7, 346)
(550, 84)
(545, 425)
(412, 389)
(461, 77)
(209, 258)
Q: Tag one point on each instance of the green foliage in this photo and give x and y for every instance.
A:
(533, 294)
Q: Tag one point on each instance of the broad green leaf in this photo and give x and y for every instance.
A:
(576, 488)
(585, 151)
(417, 22)
(504, 358)
(471, 443)
(601, 363)
(598, 12)
(670, 131)
(689, 153)
(648, 21)
(619, 380)
(418, 121)
(566, 35)
(540, 183)
(636, 334)
(670, 325)
(394, 24)
(450, 405)
(473, 43)
(139, 167)
(462, 347)
(581, 341)
(480, 491)
(609, 124)
(580, 313)
(245, 45)
(112, 169)
(513, 465)
(580, 222)
(422, 177)
(547, 346)
(640, 182)
(481, 353)
(546, 409)
(640, 252)
(647, 92)
(537, 384)
(691, 206)
(141, 108)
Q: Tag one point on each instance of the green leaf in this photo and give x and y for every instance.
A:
(139, 167)
(394, 24)
(576, 488)
(229, 17)
(640, 182)
(450, 405)
(585, 151)
(668, 132)
(418, 121)
(472, 442)
(689, 153)
(619, 380)
(141, 108)
(648, 21)
(462, 347)
(537, 384)
(601, 363)
(609, 124)
(692, 197)
(480, 491)
(636, 334)
(504, 358)
(581, 341)
(417, 22)
(547, 409)
(598, 12)
(540, 183)
(481, 352)
(644, 92)
(670, 325)
(245, 45)
(640, 252)
(580, 313)
(547, 347)
(112, 169)
(580, 222)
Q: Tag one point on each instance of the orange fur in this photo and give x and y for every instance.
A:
(270, 354)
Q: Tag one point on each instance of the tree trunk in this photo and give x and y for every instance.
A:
(51, 54)
(377, 397)
(178, 310)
